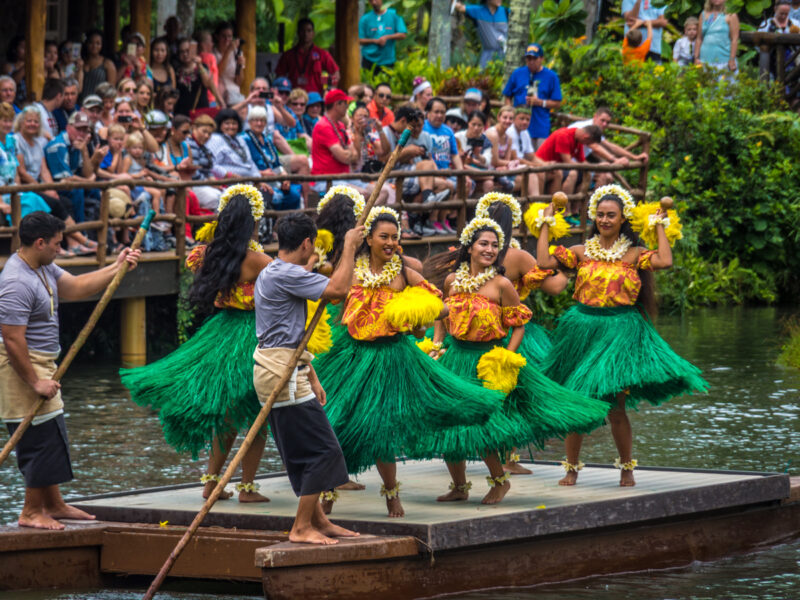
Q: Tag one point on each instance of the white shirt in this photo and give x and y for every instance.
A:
(520, 141)
(49, 123)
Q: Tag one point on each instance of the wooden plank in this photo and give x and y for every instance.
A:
(35, 28)
(348, 51)
(246, 30)
(363, 548)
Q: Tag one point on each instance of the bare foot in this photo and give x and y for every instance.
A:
(453, 496)
(327, 506)
(395, 507)
(352, 485)
(39, 521)
(310, 536)
(209, 487)
(65, 511)
(251, 497)
(496, 494)
(516, 469)
(626, 479)
(570, 478)
(335, 531)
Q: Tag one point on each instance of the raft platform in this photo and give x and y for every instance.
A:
(540, 533)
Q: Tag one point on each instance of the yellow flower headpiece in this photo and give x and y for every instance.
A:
(478, 223)
(373, 214)
(482, 209)
(248, 191)
(206, 232)
(352, 193)
(324, 240)
(614, 190)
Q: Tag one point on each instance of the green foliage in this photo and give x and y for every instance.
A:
(554, 21)
(209, 14)
(546, 308)
(790, 352)
(185, 316)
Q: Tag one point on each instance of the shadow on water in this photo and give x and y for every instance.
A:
(750, 420)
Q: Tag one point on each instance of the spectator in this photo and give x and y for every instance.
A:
(135, 166)
(284, 195)
(361, 92)
(70, 63)
(503, 155)
(718, 40)
(172, 35)
(51, 68)
(126, 88)
(143, 97)
(202, 129)
(132, 62)
(373, 142)
(230, 62)
(781, 22)
(313, 111)
(635, 46)
(96, 67)
(52, 97)
(377, 32)
(683, 50)
(158, 124)
(230, 153)
(161, 70)
(93, 107)
(125, 116)
(486, 107)
(633, 10)
(165, 101)
(15, 67)
(68, 103)
(283, 90)
(112, 168)
(444, 153)
(491, 21)
(563, 146)
(476, 150)
(205, 50)
(422, 93)
(298, 100)
(379, 106)
(305, 64)
(537, 87)
(794, 13)
(193, 82)
(455, 119)
(109, 96)
(8, 92)
(261, 95)
(520, 141)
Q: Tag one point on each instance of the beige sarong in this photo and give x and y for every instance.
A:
(270, 365)
(17, 398)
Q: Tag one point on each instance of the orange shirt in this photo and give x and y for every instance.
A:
(475, 318)
(387, 117)
(638, 54)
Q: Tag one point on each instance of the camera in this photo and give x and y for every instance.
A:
(267, 95)
(125, 119)
(475, 142)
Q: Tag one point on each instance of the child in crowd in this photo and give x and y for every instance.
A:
(634, 47)
(112, 168)
(136, 165)
(683, 51)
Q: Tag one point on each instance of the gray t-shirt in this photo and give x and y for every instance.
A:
(32, 155)
(24, 301)
(423, 140)
(281, 292)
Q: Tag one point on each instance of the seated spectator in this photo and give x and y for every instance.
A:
(635, 47)
(202, 158)
(486, 108)
(520, 140)
(305, 64)
(193, 82)
(477, 151)
(93, 107)
(379, 106)
(491, 21)
(161, 70)
(165, 101)
(285, 195)
(51, 69)
(111, 167)
(125, 116)
(8, 92)
(718, 40)
(298, 100)
(52, 97)
(503, 155)
(15, 67)
(361, 92)
(68, 104)
(135, 165)
(313, 111)
(97, 68)
(282, 91)
(455, 119)
(470, 102)
(70, 63)
(683, 50)
(126, 88)
(562, 146)
(373, 142)
(422, 93)
(108, 94)
(378, 31)
(132, 61)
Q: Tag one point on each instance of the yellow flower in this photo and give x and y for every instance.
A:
(163, 524)
(687, 158)
(758, 144)
(541, 506)
(658, 70)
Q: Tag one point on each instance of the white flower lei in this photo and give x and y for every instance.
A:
(515, 244)
(255, 246)
(375, 280)
(478, 223)
(482, 208)
(595, 251)
(373, 214)
(352, 193)
(464, 282)
(615, 190)
(248, 191)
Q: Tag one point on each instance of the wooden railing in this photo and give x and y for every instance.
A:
(779, 43)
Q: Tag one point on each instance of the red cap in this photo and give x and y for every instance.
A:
(336, 95)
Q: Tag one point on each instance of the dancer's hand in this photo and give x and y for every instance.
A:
(354, 237)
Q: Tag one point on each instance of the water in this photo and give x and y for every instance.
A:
(749, 421)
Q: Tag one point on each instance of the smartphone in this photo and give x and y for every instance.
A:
(192, 48)
(267, 95)
(125, 119)
(130, 49)
(76, 51)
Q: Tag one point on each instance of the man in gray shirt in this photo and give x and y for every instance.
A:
(304, 437)
(30, 287)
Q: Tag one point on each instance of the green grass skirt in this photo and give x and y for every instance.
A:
(204, 389)
(535, 411)
(536, 344)
(385, 395)
(600, 352)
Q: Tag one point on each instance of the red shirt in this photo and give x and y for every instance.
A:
(385, 119)
(322, 138)
(304, 69)
(561, 141)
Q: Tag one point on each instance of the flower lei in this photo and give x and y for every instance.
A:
(541, 220)
(248, 191)
(595, 251)
(613, 190)
(476, 224)
(352, 193)
(515, 244)
(375, 280)
(482, 208)
(255, 246)
(464, 282)
(373, 214)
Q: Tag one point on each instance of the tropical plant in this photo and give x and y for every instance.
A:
(560, 20)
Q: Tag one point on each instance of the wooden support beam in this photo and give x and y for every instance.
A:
(35, 27)
(110, 26)
(133, 330)
(246, 30)
(140, 21)
(348, 52)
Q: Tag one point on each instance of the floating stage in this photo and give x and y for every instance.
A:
(540, 533)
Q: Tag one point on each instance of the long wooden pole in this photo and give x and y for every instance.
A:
(81, 339)
(255, 428)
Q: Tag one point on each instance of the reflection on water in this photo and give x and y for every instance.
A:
(750, 420)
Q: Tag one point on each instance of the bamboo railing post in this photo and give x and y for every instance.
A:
(102, 233)
(179, 227)
(80, 340)
(16, 217)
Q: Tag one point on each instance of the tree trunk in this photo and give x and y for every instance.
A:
(439, 34)
(165, 9)
(591, 16)
(185, 14)
(519, 27)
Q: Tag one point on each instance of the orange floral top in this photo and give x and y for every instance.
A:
(603, 284)
(532, 280)
(240, 297)
(364, 308)
(475, 318)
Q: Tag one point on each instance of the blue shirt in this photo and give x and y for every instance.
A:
(492, 28)
(547, 87)
(647, 12)
(290, 133)
(371, 27)
(443, 144)
(264, 155)
(62, 159)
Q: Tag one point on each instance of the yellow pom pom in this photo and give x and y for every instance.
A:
(426, 345)
(206, 232)
(559, 230)
(324, 240)
(640, 221)
(499, 369)
(320, 341)
(412, 308)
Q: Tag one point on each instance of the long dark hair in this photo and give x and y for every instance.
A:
(647, 295)
(337, 217)
(500, 213)
(384, 218)
(222, 263)
(463, 251)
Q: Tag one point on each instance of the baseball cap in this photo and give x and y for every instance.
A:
(336, 95)
(156, 118)
(534, 50)
(473, 94)
(92, 101)
(314, 98)
(80, 119)
(456, 113)
(282, 84)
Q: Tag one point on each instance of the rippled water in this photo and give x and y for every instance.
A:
(750, 420)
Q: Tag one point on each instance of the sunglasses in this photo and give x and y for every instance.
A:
(297, 103)
(386, 96)
(183, 131)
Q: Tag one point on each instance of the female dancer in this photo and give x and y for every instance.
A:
(605, 346)
(384, 393)
(483, 306)
(204, 390)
